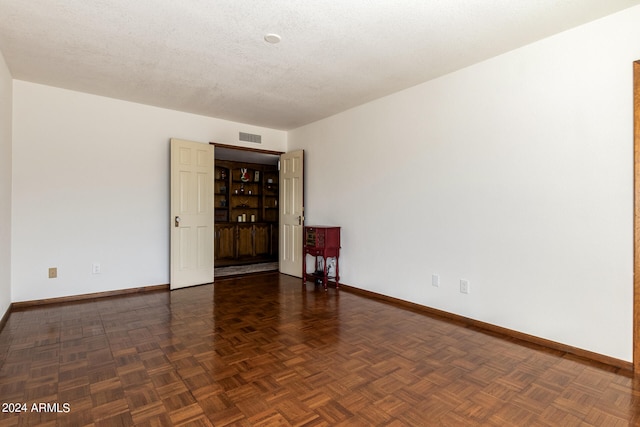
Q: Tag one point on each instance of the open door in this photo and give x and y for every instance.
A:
(636, 218)
(192, 166)
(291, 212)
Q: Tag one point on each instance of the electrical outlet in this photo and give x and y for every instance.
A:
(435, 280)
(95, 268)
(53, 272)
(464, 286)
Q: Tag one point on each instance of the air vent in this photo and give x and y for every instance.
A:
(249, 137)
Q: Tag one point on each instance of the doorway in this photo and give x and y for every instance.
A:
(246, 202)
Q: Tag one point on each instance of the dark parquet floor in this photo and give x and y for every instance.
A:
(265, 351)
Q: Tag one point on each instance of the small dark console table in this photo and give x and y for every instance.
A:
(321, 242)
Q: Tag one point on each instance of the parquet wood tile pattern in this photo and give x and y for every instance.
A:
(266, 351)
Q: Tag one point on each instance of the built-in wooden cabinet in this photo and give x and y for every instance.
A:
(246, 212)
(243, 243)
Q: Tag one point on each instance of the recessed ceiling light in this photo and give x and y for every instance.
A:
(272, 38)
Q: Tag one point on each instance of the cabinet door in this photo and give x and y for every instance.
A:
(262, 239)
(225, 241)
(245, 240)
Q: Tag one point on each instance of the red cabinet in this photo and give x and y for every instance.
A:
(322, 242)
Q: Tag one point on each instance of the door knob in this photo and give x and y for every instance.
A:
(177, 221)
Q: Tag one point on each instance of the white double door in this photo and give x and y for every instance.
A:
(291, 212)
(192, 216)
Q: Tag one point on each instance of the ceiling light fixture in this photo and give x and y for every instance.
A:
(272, 38)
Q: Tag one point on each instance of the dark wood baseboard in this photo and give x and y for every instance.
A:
(497, 330)
(5, 316)
(83, 297)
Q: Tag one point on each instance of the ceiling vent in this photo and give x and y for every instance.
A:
(249, 137)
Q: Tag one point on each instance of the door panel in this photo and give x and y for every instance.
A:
(261, 239)
(191, 234)
(226, 241)
(291, 212)
(245, 240)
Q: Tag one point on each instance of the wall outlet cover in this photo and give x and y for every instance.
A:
(464, 286)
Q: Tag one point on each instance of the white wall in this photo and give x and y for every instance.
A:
(91, 184)
(515, 174)
(6, 98)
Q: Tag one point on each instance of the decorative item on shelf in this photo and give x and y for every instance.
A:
(244, 175)
(256, 176)
(244, 217)
(223, 203)
(241, 188)
(270, 185)
(223, 189)
(223, 174)
(253, 218)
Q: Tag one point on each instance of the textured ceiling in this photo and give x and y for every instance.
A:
(209, 57)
